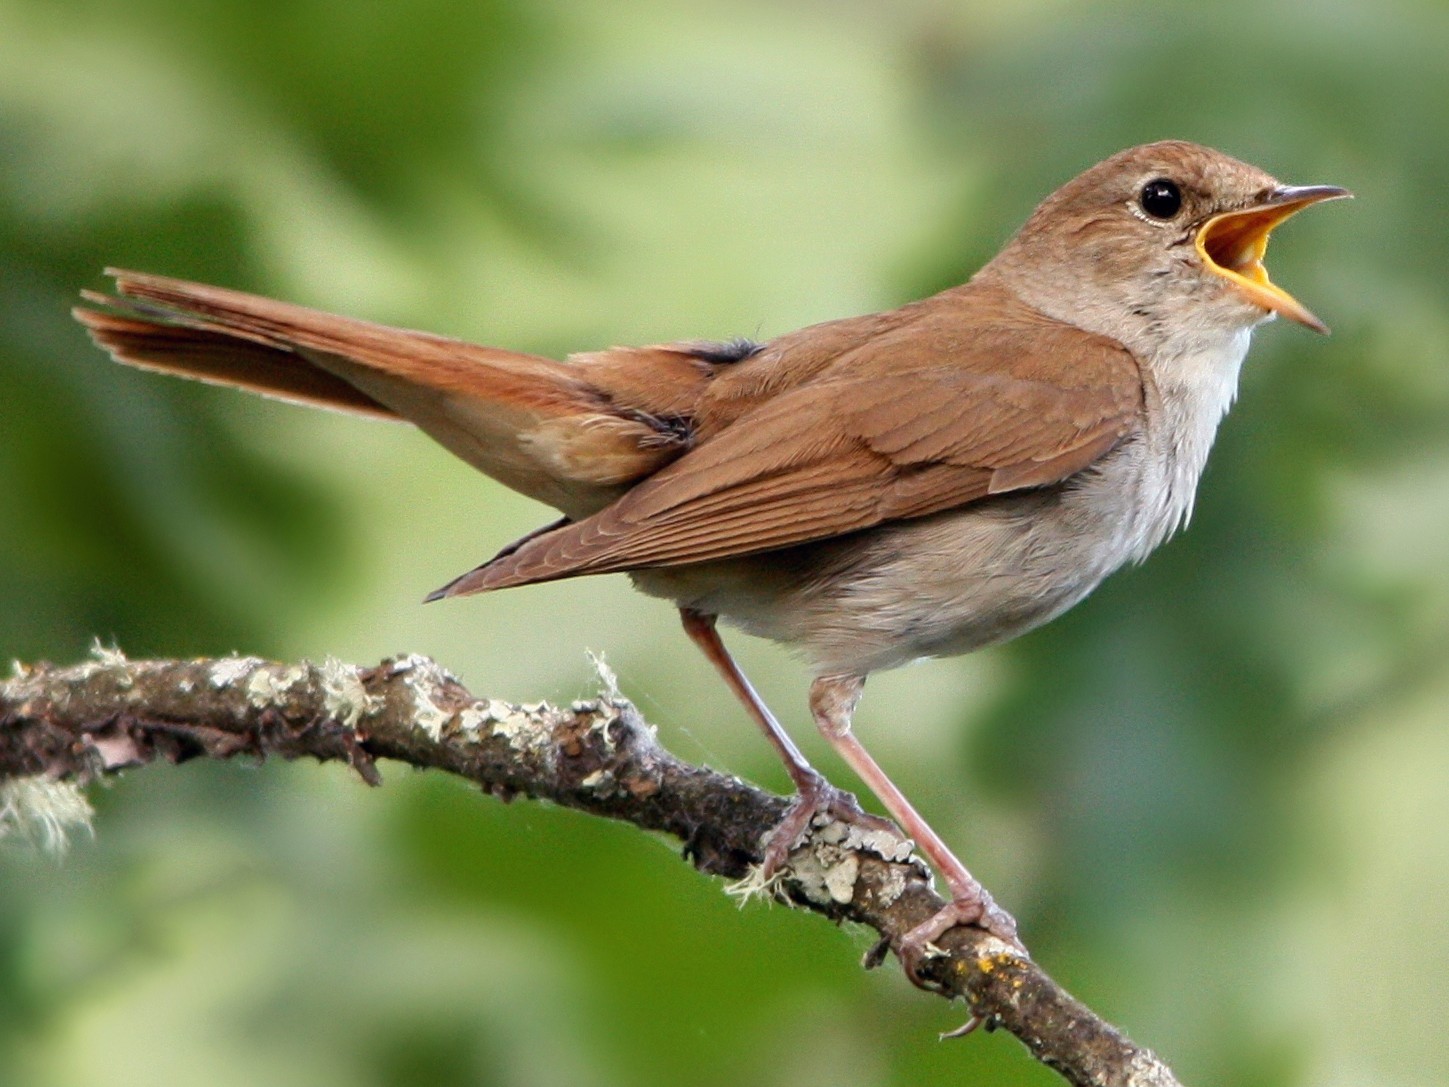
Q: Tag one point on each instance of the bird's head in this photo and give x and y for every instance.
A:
(1160, 240)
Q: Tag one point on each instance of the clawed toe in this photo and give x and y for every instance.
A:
(964, 1029)
(976, 908)
(815, 798)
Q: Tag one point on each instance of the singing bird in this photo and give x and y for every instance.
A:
(869, 491)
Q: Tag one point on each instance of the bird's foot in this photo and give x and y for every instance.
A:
(817, 803)
(972, 905)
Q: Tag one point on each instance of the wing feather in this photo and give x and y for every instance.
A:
(846, 453)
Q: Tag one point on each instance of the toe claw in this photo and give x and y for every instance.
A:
(818, 798)
(877, 953)
(978, 910)
(964, 1029)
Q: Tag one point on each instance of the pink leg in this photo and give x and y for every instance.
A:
(813, 793)
(832, 701)
(701, 628)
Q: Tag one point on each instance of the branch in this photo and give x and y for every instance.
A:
(81, 722)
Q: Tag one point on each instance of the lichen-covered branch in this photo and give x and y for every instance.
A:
(77, 723)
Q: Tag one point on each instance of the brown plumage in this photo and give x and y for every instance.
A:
(790, 445)
(870, 490)
(573, 434)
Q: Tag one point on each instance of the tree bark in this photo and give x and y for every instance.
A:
(80, 722)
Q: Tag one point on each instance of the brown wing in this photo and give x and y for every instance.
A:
(847, 453)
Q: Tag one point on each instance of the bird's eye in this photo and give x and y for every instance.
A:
(1161, 199)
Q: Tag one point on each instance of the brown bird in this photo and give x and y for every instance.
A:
(873, 490)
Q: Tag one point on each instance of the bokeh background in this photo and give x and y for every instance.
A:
(1216, 794)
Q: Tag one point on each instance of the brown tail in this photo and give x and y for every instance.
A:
(573, 434)
(220, 358)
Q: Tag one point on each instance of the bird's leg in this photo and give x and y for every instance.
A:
(832, 701)
(813, 793)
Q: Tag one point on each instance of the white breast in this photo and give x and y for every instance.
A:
(1190, 392)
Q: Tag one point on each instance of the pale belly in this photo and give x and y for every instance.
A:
(936, 586)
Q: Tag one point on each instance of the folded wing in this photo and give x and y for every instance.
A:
(844, 454)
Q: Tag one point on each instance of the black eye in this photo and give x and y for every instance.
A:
(1161, 199)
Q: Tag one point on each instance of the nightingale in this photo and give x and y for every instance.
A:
(868, 491)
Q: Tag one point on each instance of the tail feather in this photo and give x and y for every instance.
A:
(223, 358)
(572, 434)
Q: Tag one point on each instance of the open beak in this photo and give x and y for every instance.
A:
(1232, 245)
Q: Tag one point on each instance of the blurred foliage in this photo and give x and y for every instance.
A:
(1215, 794)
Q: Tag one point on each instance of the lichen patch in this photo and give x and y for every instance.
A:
(891, 887)
(526, 728)
(600, 726)
(269, 684)
(421, 670)
(607, 677)
(107, 656)
(429, 716)
(600, 781)
(754, 884)
(43, 811)
(229, 671)
(840, 878)
(472, 719)
(825, 872)
(344, 698)
(423, 677)
(105, 659)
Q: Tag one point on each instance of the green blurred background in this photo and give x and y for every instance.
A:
(1216, 795)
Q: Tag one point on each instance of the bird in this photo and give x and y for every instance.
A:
(869, 491)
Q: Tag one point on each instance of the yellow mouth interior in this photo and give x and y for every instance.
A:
(1233, 244)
